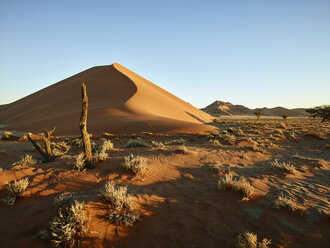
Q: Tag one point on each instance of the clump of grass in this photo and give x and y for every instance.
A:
(121, 205)
(7, 135)
(285, 202)
(107, 145)
(184, 150)
(80, 163)
(117, 196)
(229, 139)
(135, 164)
(257, 148)
(283, 166)
(99, 156)
(138, 142)
(26, 159)
(64, 200)
(214, 142)
(60, 148)
(76, 142)
(128, 218)
(16, 190)
(250, 240)
(158, 144)
(70, 226)
(239, 132)
(239, 185)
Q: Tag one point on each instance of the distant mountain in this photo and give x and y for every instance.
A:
(227, 108)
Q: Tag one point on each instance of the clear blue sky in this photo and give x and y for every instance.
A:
(251, 52)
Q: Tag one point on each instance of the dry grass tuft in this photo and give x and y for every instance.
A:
(214, 142)
(283, 166)
(60, 148)
(135, 164)
(16, 190)
(107, 145)
(99, 156)
(64, 200)
(7, 135)
(239, 185)
(250, 240)
(285, 202)
(176, 142)
(70, 226)
(117, 196)
(138, 142)
(27, 159)
(127, 218)
(80, 163)
(158, 144)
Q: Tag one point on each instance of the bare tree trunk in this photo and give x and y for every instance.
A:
(83, 128)
(45, 153)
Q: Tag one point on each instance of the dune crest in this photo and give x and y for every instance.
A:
(120, 101)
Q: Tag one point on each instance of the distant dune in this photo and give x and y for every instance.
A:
(227, 108)
(120, 101)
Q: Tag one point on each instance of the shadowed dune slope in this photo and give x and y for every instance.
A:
(120, 101)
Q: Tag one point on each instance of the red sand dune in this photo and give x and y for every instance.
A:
(120, 101)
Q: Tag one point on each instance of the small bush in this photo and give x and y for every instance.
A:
(136, 143)
(256, 148)
(283, 166)
(27, 159)
(184, 150)
(99, 156)
(117, 196)
(80, 163)
(176, 142)
(127, 218)
(136, 164)
(7, 135)
(70, 226)
(158, 144)
(240, 185)
(59, 148)
(285, 202)
(214, 142)
(16, 190)
(107, 145)
(228, 139)
(64, 201)
(250, 240)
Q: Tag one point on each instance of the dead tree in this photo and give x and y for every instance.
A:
(83, 128)
(45, 153)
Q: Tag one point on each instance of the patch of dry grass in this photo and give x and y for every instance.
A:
(138, 142)
(80, 163)
(250, 240)
(26, 159)
(285, 202)
(127, 218)
(283, 166)
(16, 190)
(241, 185)
(70, 226)
(214, 142)
(6, 135)
(135, 164)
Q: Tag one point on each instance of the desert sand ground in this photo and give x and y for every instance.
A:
(178, 197)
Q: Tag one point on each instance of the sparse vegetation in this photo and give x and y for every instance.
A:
(250, 240)
(117, 196)
(135, 164)
(239, 185)
(26, 159)
(320, 111)
(16, 190)
(283, 166)
(214, 142)
(184, 150)
(80, 163)
(158, 144)
(107, 145)
(176, 142)
(127, 218)
(70, 226)
(7, 135)
(138, 142)
(285, 202)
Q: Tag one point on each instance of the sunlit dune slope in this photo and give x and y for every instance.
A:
(119, 101)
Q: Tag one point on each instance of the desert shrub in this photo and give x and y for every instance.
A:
(70, 226)
(135, 164)
(60, 148)
(99, 156)
(7, 135)
(77, 142)
(184, 150)
(250, 240)
(239, 185)
(158, 144)
(176, 142)
(117, 196)
(64, 200)
(26, 159)
(138, 142)
(283, 166)
(239, 132)
(258, 114)
(257, 148)
(284, 116)
(127, 218)
(16, 190)
(80, 163)
(285, 202)
(214, 142)
(107, 145)
(229, 139)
